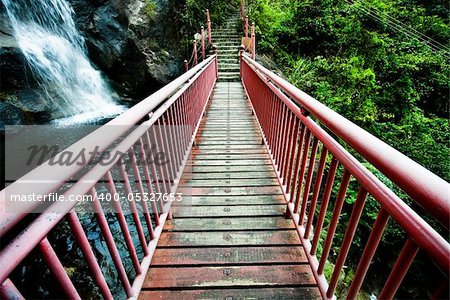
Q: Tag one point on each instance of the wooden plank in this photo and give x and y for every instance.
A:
(228, 142)
(227, 127)
(220, 129)
(241, 182)
(230, 119)
(235, 294)
(229, 134)
(233, 238)
(229, 256)
(228, 211)
(243, 162)
(221, 191)
(205, 224)
(231, 156)
(231, 200)
(228, 175)
(227, 124)
(257, 150)
(225, 138)
(238, 108)
(215, 169)
(245, 276)
(223, 148)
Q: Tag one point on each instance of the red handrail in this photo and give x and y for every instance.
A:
(182, 103)
(112, 130)
(424, 187)
(292, 138)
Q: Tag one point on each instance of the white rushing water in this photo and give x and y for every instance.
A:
(46, 34)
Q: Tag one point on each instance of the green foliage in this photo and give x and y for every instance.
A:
(184, 18)
(379, 77)
(150, 9)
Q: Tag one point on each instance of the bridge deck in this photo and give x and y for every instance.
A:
(229, 238)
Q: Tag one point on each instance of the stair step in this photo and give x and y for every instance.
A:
(229, 74)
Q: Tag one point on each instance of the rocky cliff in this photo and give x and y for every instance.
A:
(126, 40)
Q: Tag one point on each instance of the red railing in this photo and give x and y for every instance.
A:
(193, 61)
(301, 149)
(178, 107)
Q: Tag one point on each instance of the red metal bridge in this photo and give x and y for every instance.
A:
(256, 161)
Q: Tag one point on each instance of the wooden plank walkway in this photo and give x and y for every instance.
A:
(229, 238)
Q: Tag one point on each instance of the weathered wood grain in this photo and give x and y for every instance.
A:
(231, 200)
(230, 276)
(235, 294)
(228, 223)
(227, 211)
(232, 238)
(229, 256)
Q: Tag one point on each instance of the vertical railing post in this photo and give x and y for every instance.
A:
(186, 65)
(246, 27)
(208, 21)
(253, 41)
(242, 9)
(9, 291)
(214, 48)
(195, 53)
(241, 57)
(203, 43)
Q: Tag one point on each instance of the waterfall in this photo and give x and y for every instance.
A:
(46, 33)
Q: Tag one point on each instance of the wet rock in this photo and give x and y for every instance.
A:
(11, 115)
(125, 40)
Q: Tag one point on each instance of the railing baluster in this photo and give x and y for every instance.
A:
(292, 155)
(348, 238)
(289, 148)
(276, 133)
(286, 144)
(110, 243)
(317, 185)
(163, 169)
(138, 178)
(302, 170)
(334, 220)
(123, 224)
(177, 125)
(8, 291)
(167, 149)
(398, 272)
(150, 187)
(312, 163)
(324, 205)
(174, 138)
(134, 212)
(297, 162)
(158, 183)
(183, 123)
(55, 266)
(88, 254)
(273, 122)
(281, 136)
(369, 252)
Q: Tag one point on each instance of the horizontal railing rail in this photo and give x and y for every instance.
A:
(173, 115)
(301, 150)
